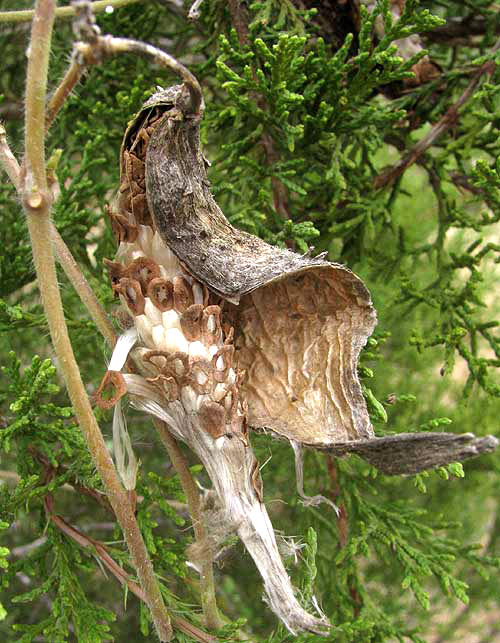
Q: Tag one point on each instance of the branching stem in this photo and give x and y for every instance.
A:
(63, 12)
(82, 287)
(37, 201)
(388, 176)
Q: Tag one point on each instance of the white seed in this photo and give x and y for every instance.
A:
(144, 328)
(190, 400)
(220, 364)
(137, 254)
(231, 377)
(158, 334)
(171, 319)
(219, 391)
(213, 349)
(145, 239)
(198, 350)
(175, 341)
(228, 401)
(211, 324)
(197, 293)
(122, 348)
(152, 312)
(201, 377)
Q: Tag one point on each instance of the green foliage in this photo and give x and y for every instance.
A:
(301, 118)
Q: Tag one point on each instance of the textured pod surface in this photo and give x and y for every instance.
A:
(300, 322)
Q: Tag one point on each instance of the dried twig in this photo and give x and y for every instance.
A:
(387, 177)
(63, 12)
(8, 161)
(114, 568)
(82, 287)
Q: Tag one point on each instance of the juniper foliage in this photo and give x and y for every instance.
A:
(300, 121)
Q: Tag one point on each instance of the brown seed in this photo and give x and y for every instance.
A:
(112, 388)
(124, 230)
(175, 365)
(131, 291)
(191, 322)
(212, 417)
(161, 293)
(210, 325)
(116, 272)
(183, 294)
(139, 208)
(134, 167)
(143, 270)
(201, 377)
(225, 353)
(170, 387)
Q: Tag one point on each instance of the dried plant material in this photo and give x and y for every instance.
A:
(237, 333)
(126, 462)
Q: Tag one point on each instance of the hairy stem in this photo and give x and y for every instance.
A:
(63, 12)
(8, 161)
(37, 201)
(208, 599)
(71, 78)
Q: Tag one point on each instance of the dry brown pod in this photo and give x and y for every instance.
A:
(300, 322)
(244, 334)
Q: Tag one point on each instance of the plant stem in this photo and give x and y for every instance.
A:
(66, 259)
(208, 599)
(71, 78)
(36, 201)
(63, 12)
(8, 161)
(82, 287)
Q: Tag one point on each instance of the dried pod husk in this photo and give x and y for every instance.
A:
(299, 322)
(298, 325)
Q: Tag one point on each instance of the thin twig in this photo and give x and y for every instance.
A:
(207, 585)
(82, 287)
(387, 177)
(37, 200)
(63, 12)
(66, 86)
(113, 567)
(8, 161)
(109, 46)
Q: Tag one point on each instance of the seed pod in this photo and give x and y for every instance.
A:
(299, 322)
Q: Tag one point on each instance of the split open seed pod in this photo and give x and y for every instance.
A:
(299, 322)
(235, 333)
